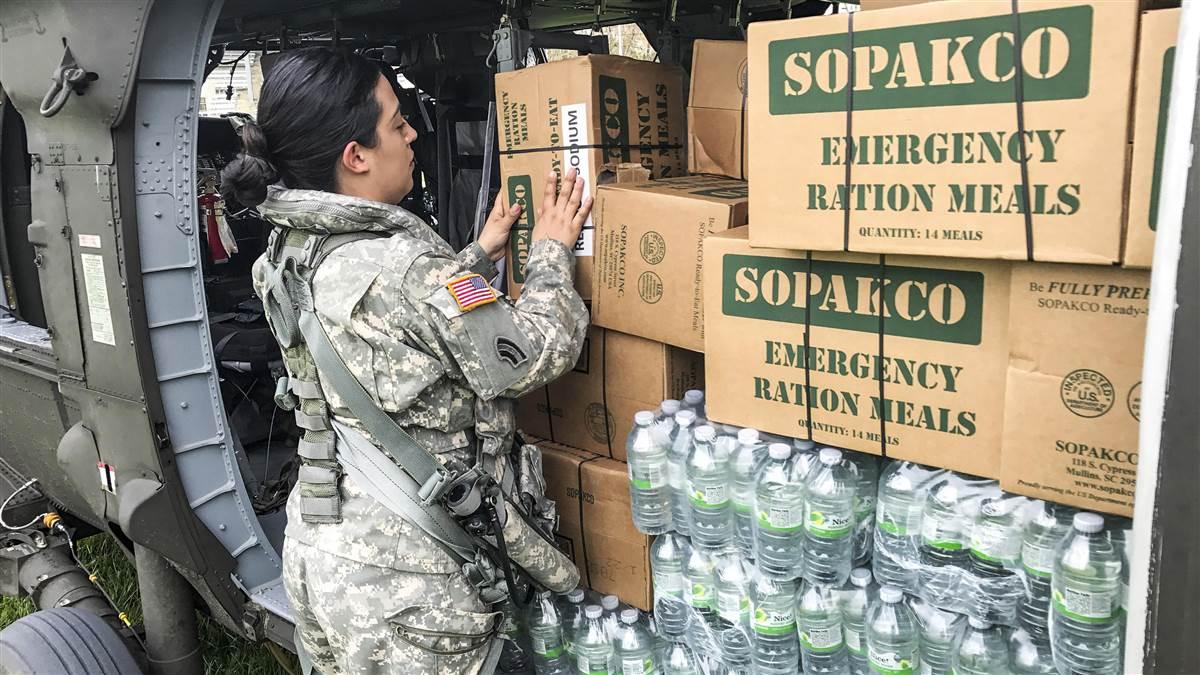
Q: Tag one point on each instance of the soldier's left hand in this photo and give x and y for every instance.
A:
(494, 235)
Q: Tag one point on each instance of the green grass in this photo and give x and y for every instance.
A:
(223, 651)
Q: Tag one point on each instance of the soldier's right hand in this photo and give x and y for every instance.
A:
(563, 212)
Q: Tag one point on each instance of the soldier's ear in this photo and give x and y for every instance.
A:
(354, 159)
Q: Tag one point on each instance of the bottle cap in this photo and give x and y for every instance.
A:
(748, 436)
(830, 456)
(705, 433)
(592, 611)
(860, 577)
(730, 429)
(609, 602)
(629, 615)
(644, 418)
(891, 594)
(669, 407)
(575, 597)
(693, 396)
(1087, 522)
(803, 444)
(977, 624)
(779, 451)
(685, 417)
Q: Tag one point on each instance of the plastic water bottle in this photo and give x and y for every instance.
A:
(700, 585)
(892, 635)
(667, 410)
(610, 617)
(515, 655)
(744, 464)
(866, 468)
(804, 460)
(819, 622)
(634, 646)
(570, 611)
(995, 556)
(1049, 524)
(1030, 655)
(1086, 599)
(708, 491)
(901, 497)
(550, 655)
(773, 626)
(982, 650)
(944, 530)
(679, 659)
(854, 603)
(593, 649)
(693, 399)
(731, 576)
(668, 556)
(940, 631)
(829, 520)
(681, 445)
(779, 516)
(649, 489)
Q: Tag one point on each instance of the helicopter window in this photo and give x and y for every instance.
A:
(20, 294)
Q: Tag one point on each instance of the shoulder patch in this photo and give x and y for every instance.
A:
(470, 291)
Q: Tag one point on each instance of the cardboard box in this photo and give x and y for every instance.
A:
(935, 158)
(716, 114)
(1156, 61)
(887, 4)
(590, 113)
(592, 406)
(596, 523)
(649, 245)
(1074, 384)
(938, 367)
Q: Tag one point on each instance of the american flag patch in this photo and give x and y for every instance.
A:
(471, 291)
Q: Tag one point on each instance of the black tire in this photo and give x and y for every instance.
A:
(64, 641)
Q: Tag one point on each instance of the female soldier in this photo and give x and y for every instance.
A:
(420, 330)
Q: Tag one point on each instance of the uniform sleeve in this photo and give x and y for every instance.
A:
(500, 348)
(475, 260)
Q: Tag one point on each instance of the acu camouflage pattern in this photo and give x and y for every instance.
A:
(436, 370)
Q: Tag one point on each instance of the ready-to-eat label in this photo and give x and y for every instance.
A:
(96, 287)
(698, 595)
(828, 523)
(1086, 606)
(782, 518)
(943, 534)
(896, 521)
(668, 583)
(576, 155)
(1037, 560)
(637, 666)
(648, 476)
(888, 662)
(822, 639)
(732, 604)
(774, 620)
(854, 640)
(709, 496)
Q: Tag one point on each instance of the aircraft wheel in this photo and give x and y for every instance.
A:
(64, 641)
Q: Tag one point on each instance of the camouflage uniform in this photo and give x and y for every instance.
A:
(373, 593)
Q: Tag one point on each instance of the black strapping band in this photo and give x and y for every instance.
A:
(609, 429)
(808, 342)
(878, 365)
(1019, 98)
(549, 413)
(742, 129)
(849, 130)
(596, 146)
(587, 573)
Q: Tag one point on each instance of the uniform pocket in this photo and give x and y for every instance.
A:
(444, 631)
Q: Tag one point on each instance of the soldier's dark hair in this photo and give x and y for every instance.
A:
(314, 101)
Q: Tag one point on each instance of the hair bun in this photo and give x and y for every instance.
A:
(245, 179)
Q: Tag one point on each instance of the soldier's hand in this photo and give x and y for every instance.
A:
(494, 236)
(564, 211)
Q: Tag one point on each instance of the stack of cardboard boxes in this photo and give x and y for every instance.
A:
(944, 260)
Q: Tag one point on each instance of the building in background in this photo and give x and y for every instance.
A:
(233, 86)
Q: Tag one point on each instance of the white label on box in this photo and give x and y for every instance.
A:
(575, 133)
(96, 286)
(89, 241)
